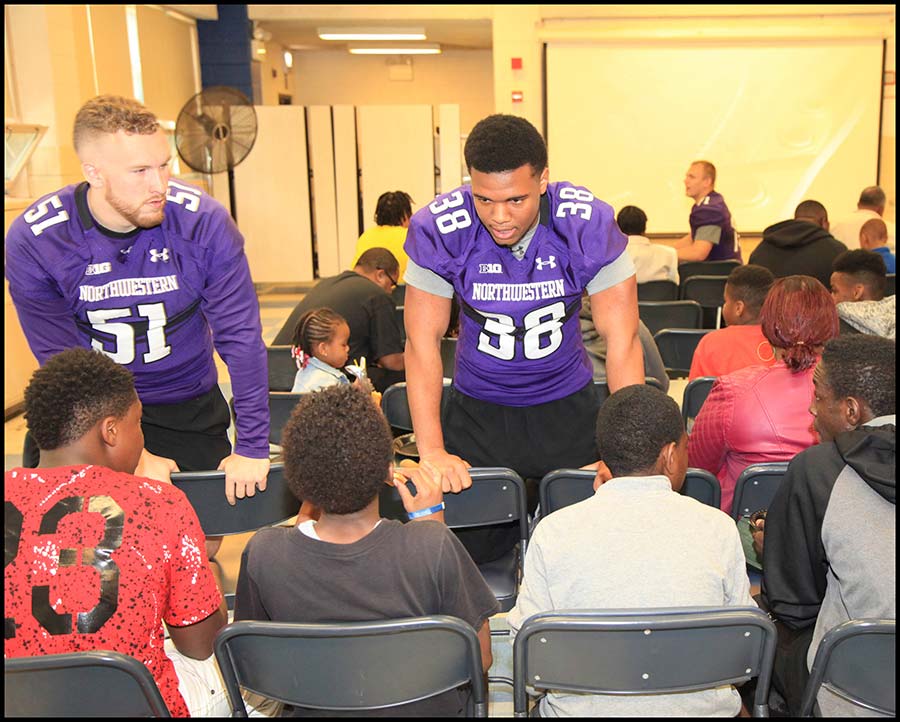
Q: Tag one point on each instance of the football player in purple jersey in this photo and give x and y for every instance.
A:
(712, 237)
(518, 251)
(151, 272)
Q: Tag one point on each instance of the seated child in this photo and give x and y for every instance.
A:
(338, 454)
(320, 345)
(98, 558)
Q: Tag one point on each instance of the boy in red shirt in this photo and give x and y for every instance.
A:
(741, 343)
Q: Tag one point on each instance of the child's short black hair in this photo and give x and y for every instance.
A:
(633, 426)
(750, 284)
(337, 449)
(70, 393)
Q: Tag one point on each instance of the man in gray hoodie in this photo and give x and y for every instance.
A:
(830, 539)
(858, 283)
(801, 246)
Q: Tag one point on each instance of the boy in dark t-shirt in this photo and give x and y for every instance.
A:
(337, 455)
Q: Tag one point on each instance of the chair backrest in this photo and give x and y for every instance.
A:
(706, 268)
(695, 394)
(395, 405)
(281, 405)
(890, 287)
(282, 368)
(563, 487)
(448, 356)
(497, 496)
(644, 651)
(352, 666)
(857, 661)
(709, 292)
(80, 684)
(756, 486)
(658, 315)
(206, 492)
(703, 486)
(663, 290)
(676, 347)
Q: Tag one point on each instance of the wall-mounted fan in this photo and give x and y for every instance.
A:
(215, 131)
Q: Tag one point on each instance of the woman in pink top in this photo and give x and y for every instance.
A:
(760, 414)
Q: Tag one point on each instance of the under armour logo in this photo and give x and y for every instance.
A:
(159, 255)
(540, 264)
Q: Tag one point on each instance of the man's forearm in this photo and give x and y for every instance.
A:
(624, 363)
(424, 374)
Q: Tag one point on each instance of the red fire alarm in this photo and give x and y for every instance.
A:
(517, 96)
(517, 63)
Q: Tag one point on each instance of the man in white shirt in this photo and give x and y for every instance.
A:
(871, 204)
(652, 261)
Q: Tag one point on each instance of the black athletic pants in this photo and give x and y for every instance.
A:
(530, 440)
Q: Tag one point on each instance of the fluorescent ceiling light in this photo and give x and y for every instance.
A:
(420, 49)
(371, 33)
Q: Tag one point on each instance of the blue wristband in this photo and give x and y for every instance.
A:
(426, 512)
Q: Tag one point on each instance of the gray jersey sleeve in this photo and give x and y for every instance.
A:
(426, 280)
(611, 274)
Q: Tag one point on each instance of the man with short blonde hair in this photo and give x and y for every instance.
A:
(151, 272)
(712, 236)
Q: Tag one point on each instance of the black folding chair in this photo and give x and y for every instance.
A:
(643, 652)
(695, 394)
(399, 294)
(703, 486)
(80, 684)
(281, 406)
(448, 356)
(676, 347)
(709, 292)
(563, 487)
(395, 405)
(857, 661)
(206, 492)
(706, 268)
(657, 291)
(351, 666)
(497, 496)
(756, 487)
(282, 368)
(658, 315)
(890, 286)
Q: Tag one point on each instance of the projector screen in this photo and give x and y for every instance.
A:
(781, 121)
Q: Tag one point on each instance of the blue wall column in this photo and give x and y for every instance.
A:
(225, 52)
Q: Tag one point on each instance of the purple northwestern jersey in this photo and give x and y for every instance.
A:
(153, 299)
(519, 339)
(712, 211)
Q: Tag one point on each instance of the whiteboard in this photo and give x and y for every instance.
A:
(782, 121)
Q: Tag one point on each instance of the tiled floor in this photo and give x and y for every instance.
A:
(275, 306)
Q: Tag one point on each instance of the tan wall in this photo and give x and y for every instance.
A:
(274, 81)
(53, 67)
(167, 61)
(334, 77)
(19, 363)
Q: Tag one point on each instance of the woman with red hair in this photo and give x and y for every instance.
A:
(761, 413)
